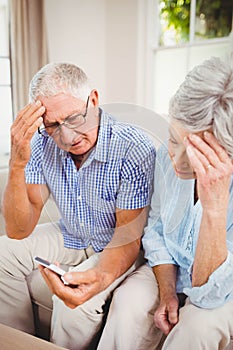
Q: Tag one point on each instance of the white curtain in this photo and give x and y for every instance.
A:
(28, 46)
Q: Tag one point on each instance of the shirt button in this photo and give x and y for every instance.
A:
(81, 224)
(79, 198)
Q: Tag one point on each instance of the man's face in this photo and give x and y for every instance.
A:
(62, 108)
(177, 150)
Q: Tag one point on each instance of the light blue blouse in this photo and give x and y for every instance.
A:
(172, 232)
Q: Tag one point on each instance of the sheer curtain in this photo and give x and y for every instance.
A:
(28, 46)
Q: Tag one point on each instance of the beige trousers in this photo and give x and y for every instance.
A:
(16, 266)
(133, 299)
(73, 329)
(130, 320)
(201, 329)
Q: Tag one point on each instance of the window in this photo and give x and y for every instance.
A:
(183, 21)
(5, 85)
(188, 32)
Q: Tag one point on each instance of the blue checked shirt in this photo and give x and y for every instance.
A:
(172, 232)
(117, 174)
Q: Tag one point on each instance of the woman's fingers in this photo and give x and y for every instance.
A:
(208, 150)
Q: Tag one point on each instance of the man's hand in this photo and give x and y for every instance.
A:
(166, 315)
(22, 203)
(117, 257)
(94, 280)
(22, 130)
(89, 283)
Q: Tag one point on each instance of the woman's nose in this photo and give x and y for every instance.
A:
(181, 160)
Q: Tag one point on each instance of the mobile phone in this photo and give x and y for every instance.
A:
(52, 267)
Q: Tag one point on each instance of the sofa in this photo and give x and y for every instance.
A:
(151, 123)
(14, 339)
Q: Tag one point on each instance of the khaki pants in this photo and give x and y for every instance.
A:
(201, 328)
(130, 320)
(133, 299)
(73, 329)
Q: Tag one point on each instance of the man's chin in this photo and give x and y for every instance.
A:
(76, 149)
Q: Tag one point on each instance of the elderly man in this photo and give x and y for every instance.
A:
(100, 174)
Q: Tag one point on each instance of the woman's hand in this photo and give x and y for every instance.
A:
(167, 314)
(213, 169)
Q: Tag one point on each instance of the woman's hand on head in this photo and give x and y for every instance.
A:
(213, 169)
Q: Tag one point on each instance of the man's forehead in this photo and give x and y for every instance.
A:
(59, 98)
(60, 104)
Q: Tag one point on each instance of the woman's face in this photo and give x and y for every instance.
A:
(177, 150)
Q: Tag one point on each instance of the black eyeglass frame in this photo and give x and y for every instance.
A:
(65, 123)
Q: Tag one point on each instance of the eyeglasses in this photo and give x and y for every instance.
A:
(72, 122)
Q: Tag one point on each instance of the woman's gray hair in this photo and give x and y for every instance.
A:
(57, 78)
(205, 100)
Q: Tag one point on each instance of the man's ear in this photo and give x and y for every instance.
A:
(94, 98)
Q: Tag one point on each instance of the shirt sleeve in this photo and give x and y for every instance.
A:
(218, 289)
(137, 176)
(154, 245)
(33, 171)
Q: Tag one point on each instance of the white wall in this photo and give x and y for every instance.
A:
(76, 34)
(101, 36)
(121, 50)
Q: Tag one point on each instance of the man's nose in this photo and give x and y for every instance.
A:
(66, 135)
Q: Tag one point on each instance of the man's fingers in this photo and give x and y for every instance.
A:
(78, 277)
(173, 317)
(27, 120)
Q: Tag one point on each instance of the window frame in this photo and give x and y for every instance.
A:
(152, 48)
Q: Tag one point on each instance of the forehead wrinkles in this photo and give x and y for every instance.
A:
(61, 106)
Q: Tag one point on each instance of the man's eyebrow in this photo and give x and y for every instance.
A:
(48, 122)
(72, 114)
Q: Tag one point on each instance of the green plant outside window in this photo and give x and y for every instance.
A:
(213, 19)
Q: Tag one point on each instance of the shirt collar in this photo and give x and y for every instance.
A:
(102, 145)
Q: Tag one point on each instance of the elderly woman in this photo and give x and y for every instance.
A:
(188, 240)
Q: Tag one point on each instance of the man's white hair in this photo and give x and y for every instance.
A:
(56, 78)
